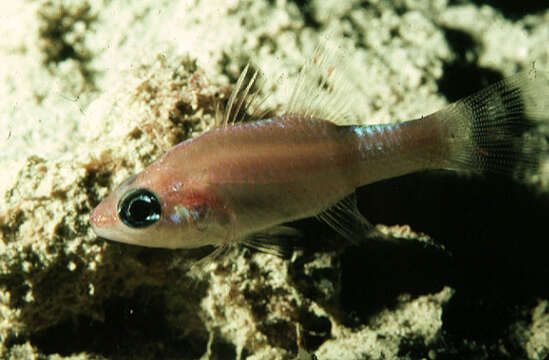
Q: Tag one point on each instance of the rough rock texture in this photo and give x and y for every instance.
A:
(91, 91)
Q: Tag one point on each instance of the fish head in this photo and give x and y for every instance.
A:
(159, 210)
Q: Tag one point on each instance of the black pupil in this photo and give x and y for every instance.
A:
(139, 208)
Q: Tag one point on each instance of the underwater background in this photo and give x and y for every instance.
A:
(92, 91)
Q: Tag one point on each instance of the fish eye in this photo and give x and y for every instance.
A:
(139, 208)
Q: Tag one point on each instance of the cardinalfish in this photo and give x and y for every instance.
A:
(240, 182)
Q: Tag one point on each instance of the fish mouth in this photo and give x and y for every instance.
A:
(98, 223)
(105, 226)
(104, 217)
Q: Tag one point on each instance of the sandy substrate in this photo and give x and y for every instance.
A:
(91, 92)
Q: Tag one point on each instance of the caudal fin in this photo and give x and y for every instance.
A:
(496, 129)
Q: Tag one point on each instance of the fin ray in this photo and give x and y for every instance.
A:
(245, 101)
(345, 218)
(321, 89)
(278, 240)
(491, 130)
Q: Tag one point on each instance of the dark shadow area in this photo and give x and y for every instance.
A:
(375, 274)
(222, 350)
(315, 330)
(306, 9)
(415, 348)
(133, 326)
(489, 223)
(371, 276)
(493, 227)
(463, 76)
(515, 10)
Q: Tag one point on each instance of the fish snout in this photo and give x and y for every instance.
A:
(103, 217)
(96, 219)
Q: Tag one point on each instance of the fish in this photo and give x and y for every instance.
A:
(243, 181)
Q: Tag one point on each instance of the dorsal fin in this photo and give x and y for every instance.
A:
(322, 89)
(244, 104)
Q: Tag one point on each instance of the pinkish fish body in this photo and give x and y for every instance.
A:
(239, 180)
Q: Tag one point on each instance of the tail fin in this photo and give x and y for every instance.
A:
(494, 130)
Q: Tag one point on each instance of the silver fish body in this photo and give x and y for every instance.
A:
(242, 179)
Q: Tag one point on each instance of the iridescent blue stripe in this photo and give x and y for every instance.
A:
(374, 139)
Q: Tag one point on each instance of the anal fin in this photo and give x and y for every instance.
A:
(345, 218)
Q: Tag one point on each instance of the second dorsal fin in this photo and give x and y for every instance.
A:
(323, 90)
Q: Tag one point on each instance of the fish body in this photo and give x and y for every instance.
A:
(242, 179)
